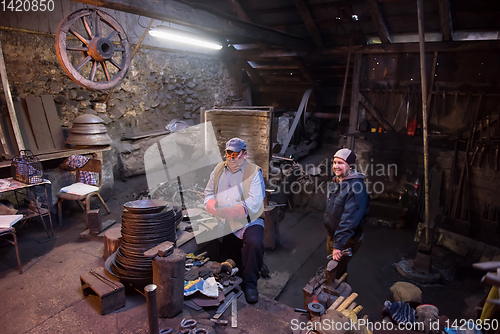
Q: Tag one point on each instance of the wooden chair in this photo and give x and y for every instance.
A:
(6, 229)
(93, 165)
(10, 231)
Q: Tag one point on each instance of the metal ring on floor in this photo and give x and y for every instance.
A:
(199, 331)
(167, 330)
(188, 323)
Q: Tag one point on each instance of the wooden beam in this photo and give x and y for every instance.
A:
(200, 17)
(378, 21)
(445, 18)
(291, 66)
(241, 14)
(378, 116)
(455, 46)
(292, 88)
(423, 80)
(252, 73)
(10, 107)
(309, 22)
(354, 112)
(305, 71)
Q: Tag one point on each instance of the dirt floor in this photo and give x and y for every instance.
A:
(47, 296)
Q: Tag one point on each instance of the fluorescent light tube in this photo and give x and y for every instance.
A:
(184, 37)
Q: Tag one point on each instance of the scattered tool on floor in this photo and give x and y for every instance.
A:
(219, 322)
(234, 313)
(223, 307)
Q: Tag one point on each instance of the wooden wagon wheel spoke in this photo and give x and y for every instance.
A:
(112, 35)
(80, 37)
(97, 26)
(86, 25)
(105, 69)
(115, 63)
(77, 48)
(93, 70)
(86, 63)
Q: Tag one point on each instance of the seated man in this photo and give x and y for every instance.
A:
(235, 194)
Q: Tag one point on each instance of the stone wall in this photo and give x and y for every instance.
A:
(160, 86)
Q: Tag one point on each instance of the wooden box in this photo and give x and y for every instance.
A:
(252, 124)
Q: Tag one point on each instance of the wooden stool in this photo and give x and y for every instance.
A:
(112, 239)
(111, 293)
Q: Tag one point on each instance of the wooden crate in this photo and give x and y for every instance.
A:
(252, 124)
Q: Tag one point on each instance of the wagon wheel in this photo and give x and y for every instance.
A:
(96, 52)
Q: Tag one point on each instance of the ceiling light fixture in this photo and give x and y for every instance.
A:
(184, 37)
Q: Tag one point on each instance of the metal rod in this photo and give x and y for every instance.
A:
(181, 193)
(421, 41)
(104, 279)
(150, 291)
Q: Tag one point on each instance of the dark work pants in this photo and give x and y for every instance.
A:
(344, 261)
(248, 253)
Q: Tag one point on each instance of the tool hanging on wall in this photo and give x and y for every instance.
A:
(102, 43)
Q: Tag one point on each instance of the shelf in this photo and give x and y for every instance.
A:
(63, 154)
(28, 213)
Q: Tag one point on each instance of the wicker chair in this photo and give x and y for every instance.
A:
(93, 165)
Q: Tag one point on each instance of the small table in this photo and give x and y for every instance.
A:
(9, 184)
(6, 223)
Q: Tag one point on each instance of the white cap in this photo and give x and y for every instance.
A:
(347, 155)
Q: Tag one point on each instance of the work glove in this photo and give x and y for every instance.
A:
(211, 207)
(429, 316)
(233, 213)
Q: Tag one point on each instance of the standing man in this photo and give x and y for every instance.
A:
(346, 209)
(235, 193)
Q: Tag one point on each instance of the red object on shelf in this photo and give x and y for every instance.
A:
(412, 127)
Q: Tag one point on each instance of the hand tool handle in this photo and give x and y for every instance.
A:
(336, 303)
(487, 265)
(491, 279)
(340, 280)
(347, 302)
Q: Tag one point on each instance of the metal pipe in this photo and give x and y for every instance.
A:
(150, 291)
(421, 41)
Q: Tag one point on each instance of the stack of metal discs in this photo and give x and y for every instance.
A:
(145, 224)
(88, 130)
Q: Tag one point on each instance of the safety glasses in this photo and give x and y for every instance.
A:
(232, 155)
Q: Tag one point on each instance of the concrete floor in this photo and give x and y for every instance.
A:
(47, 297)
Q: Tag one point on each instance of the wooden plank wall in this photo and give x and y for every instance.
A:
(40, 125)
(53, 121)
(25, 126)
(252, 124)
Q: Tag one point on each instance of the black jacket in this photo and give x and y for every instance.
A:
(346, 209)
